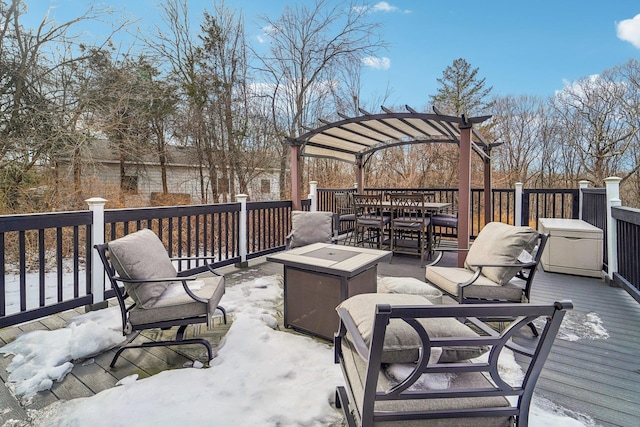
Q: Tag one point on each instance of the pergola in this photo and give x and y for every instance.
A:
(356, 139)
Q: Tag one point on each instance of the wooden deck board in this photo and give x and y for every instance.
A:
(596, 377)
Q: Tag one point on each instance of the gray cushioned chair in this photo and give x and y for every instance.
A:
(379, 330)
(311, 227)
(500, 266)
(152, 294)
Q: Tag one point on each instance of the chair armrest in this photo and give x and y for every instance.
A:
(184, 281)
(350, 326)
(287, 241)
(195, 258)
(518, 264)
(191, 294)
(168, 279)
(441, 253)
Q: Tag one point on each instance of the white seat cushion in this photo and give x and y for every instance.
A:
(175, 303)
(409, 285)
(447, 279)
(401, 342)
(356, 369)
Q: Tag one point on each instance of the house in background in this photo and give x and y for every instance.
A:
(142, 179)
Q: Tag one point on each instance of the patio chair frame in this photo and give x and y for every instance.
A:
(371, 222)
(365, 412)
(526, 274)
(132, 330)
(411, 231)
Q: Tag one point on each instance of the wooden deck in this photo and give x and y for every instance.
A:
(596, 377)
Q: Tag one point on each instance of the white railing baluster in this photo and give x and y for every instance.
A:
(518, 206)
(242, 228)
(612, 185)
(98, 275)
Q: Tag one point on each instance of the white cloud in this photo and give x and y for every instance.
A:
(266, 31)
(383, 63)
(383, 6)
(629, 30)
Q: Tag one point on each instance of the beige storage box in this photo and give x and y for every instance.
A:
(574, 247)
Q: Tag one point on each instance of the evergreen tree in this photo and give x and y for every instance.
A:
(461, 91)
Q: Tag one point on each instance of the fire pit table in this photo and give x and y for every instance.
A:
(320, 276)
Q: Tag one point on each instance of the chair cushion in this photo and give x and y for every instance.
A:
(372, 220)
(141, 255)
(348, 217)
(445, 220)
(311, 227)
(500, 243)
(409, 285)
(355, 370)
(447, 279)
(175, 303)
(401, 341)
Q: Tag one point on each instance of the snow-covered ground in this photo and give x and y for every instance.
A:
(260, 376)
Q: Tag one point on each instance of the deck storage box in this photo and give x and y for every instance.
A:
(574, 247)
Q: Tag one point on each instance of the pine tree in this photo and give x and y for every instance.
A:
(461, 91)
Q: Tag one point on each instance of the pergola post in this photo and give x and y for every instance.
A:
(488, 199)
(296, 203)
(464, 195)
(360, 174)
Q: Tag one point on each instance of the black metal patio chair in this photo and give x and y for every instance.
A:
(152, 294)
(444, 381)
(500, 267)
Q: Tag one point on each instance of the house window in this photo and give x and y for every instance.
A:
(265, 186)
(129, 184)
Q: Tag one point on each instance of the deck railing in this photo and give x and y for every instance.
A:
(594, 211)
(43, 259)
(47, 262)
(626, 273)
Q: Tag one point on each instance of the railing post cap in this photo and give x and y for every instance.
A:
(583, 183)
(96, 201)
(242, 196)
(519, 184)
(313, 182)
(612, 179)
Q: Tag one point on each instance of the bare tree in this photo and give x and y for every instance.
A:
(308, 44)
(41, 96)
(600, 124)
(176, 46)
(517, 125)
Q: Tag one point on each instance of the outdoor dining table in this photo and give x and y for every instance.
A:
(318, 277)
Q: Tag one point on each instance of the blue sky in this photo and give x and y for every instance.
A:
(520, 47)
